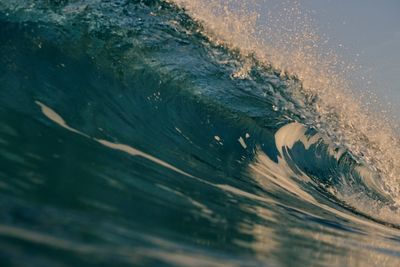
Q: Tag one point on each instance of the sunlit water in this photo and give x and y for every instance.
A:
(154, 133)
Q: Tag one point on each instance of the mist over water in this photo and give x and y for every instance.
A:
(187, 133)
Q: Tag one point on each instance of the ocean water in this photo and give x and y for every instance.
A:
(180, 133)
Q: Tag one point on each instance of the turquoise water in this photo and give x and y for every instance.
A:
(126, 139)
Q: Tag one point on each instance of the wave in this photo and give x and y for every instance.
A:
(318, 82)
(140, 113)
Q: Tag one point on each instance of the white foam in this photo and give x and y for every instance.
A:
(56, 118)
(280, 176)
(242, 142)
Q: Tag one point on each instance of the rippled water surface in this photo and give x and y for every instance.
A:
(129, 137)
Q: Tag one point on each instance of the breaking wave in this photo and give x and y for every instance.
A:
(184, 133)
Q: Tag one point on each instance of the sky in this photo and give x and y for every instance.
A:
(370, 29)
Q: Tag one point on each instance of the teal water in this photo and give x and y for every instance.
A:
(126, 140)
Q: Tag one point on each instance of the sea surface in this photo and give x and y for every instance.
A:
(169, 133)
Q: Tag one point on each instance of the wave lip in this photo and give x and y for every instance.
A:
(320, 88)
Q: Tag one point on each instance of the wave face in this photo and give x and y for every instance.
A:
(131, 135)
